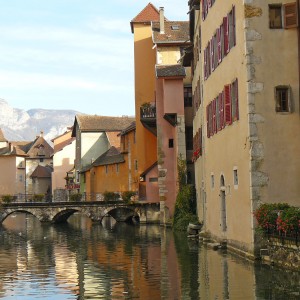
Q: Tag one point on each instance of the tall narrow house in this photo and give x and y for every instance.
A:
(162, 115)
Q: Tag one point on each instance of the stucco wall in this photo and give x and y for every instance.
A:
(93, 144)
(144, 92)
(8, 178)
(261, 145)
(63, 161)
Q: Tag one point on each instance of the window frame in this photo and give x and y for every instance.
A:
(278, 102)
(275, 6)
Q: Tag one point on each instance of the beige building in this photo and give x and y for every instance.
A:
(246, 112)
(25, 167)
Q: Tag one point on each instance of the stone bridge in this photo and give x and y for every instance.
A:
(57, 212)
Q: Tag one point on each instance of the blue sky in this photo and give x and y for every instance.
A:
(72, 54)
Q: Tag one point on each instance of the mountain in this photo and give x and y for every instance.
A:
(21, 125)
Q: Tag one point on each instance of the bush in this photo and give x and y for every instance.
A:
(279, 217)
(126, 196)
(7, 198)
(76, 197)
(185, 206)
(38, 197)
(111, 196)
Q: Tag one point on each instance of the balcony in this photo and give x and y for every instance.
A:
(148, 117)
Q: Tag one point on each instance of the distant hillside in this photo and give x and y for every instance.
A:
(18, 124)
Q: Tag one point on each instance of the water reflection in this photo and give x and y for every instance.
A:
(81, 260)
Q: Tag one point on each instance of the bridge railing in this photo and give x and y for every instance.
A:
(40, 198)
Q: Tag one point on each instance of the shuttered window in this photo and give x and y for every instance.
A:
(224, 109)
(290, 15)
(197, 144)
(227, 101)
(234, 101)
(223, 40)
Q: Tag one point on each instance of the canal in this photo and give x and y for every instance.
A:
(81, 260)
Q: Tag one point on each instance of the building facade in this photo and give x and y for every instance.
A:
(95, 135)
(246, 112)
(161, 112)
(63, 164)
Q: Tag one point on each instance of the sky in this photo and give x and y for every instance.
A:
(72, 54)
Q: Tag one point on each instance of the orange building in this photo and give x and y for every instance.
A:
(144, 62)
(116, 169)
(162, 117)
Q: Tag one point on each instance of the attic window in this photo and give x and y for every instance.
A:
(175, 27)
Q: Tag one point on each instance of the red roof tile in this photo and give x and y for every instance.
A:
(148, 14)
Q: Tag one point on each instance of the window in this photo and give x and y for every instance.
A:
(41, 159)
(153, 179)
(283, 16)
(235, 177)
(283, 101)
(106, 169)
(135, 165)
(220, 44)
(171, 143)
(21, 178)
(117, 168)
(223, 110)
(212, 181)
(275, 17)
(188, 99)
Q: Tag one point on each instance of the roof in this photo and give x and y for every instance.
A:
(62, 145)
(94, 123)
(170, 71)
(66, 132)
(37, 148)
(130, 128)
(174, 32)
(2, 138)
(114, 139)
(40, 147)
(146, 16)
(149, 169)
(42, 172)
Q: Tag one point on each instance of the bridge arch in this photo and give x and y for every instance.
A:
(6, 213)
(121, 214)
(63, 215)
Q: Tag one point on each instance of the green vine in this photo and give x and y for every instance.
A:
(185, 206)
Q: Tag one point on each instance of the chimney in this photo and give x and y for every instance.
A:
(42, 134)
(161, 20)
(11, 147)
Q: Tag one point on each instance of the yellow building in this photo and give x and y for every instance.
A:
(246, 112)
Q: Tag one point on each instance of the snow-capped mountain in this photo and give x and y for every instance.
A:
(21, 125)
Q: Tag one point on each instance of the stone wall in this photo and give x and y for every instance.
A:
(286, 254)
